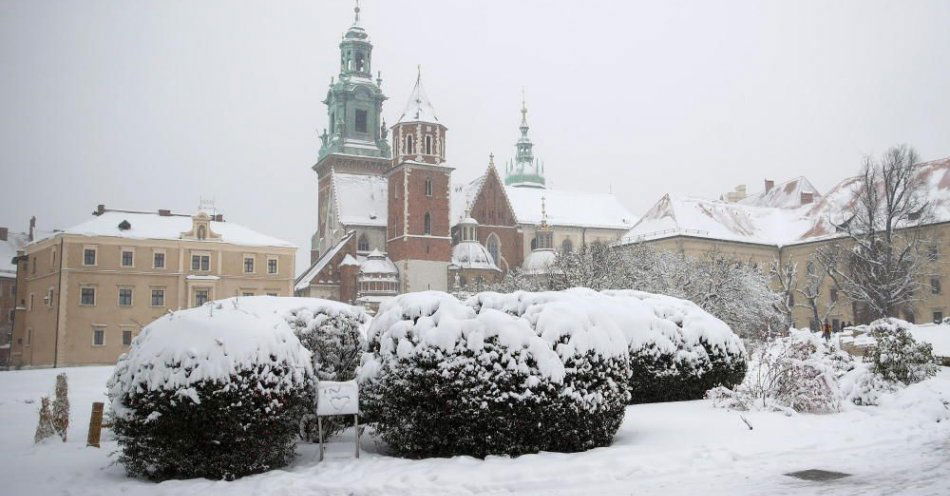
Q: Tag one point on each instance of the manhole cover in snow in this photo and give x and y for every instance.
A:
(815, 474)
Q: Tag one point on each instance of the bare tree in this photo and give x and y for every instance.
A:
(811, 291)
(786, 277)
(878, 264)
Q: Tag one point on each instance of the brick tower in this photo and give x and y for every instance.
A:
(418, 240)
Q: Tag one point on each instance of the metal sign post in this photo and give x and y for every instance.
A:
(338, 398)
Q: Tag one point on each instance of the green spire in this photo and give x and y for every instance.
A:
(525, 170)
(355, 101)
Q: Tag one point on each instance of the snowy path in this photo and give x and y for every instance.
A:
(673, 448)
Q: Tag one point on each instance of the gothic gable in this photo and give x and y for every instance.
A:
(491, 205)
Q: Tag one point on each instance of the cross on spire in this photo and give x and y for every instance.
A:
(356, 10)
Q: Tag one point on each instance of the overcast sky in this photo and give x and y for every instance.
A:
(147, 105)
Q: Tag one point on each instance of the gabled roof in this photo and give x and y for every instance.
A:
(569, 208)
(463, 195)
(307, 277)
(147, 225)
(785, 195)
(361, 200)
(418, 108)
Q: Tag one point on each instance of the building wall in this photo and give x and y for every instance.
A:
(61, 332)
(577, 235)
(7, 306)
(423, 275)
(932, 301)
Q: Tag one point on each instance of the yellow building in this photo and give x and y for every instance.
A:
(787, 223)
(83, 293)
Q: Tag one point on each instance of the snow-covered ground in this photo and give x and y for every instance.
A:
(671, 448)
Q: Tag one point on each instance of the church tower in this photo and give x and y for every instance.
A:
(525, 170)
(418, 239)
(355, 140)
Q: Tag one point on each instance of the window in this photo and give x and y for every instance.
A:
(201, 262)
(158, 260)
(29, 337)
(834, 295)
(33, 265)
(158, 297)
(49, 297)
(938, 317)
(567, 246)
(362, 244)
(935, 285)
(52, 257)
(810, 268)
(428, 145)
(427, 224)
(126, 337)
(98, 336)
(125, 297)
(359, 62)
(360, 121)
(534, 243)
(493, 247)
(271, 294)
(272, 265)
(248, 264)
(89, 256)
(201, 297)
(428, 187)
(933, 252)
(87, 296)
(31, 302)
(247, 293)
(410, 144)
(127, 257)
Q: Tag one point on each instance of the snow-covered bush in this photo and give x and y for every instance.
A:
(799, 372)
(215, 391)
(896, 356)
(332, 332)
(501, 374)
(677, 350)
(60, 409)
(44, 427)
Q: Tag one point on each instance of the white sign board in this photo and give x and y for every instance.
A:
(338, 398)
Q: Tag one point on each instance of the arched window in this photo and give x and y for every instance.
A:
(202, 232)
(427, 224)
(428, 187)
(567, 246)
(410, 144)
(493, 247)
(428, 145)
(359, 61)
(362, 244)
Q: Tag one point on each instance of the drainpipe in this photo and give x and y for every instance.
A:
(59, 303)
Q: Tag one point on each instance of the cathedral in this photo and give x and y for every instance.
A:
(391, 220)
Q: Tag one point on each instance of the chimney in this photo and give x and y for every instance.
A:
(769, 184)
(3, 233)
(164, 212)
(32, 227)
(807, 197)
(100, 209)
(219, 217)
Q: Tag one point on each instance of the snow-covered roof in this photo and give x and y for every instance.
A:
(785, 195)
(472, 255)
(569, 208)
(463, 195)
(538, 262)
(146, 225)
(718, 219)
(418, 108)
(361, 200)
(776, 222)
(377, 263)
(8, 250)
(303, 282)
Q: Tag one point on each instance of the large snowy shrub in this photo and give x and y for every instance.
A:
(799, 372)
(445, 378)
(896, 356)
(677, 350)
(215, 391)
(332, 332)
